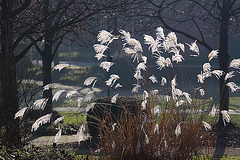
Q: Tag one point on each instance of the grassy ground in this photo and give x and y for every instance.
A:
(69, 103)
(234, 103)
(73, 117)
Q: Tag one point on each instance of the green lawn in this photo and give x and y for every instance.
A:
(234, 103)
(73, 117)
(69, 103)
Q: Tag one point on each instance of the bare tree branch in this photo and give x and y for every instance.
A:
(23, 53)
(184, 33)
(21, 8)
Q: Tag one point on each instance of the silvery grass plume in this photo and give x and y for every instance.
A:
(114, 99)
(207, 67)
(59, 119)
(229, 75)
(217, 73)
(59, 67)
(154, 92)
(178, 130)
(193, 47)
(144, 59)
(134, 46)
(118, 85)
(57, 95)
(58, 136)
(104, 37)
(80, 133)
(165, 46)
(235, 63)
(145, 95)
(90, 106)
(179, 103)
(162, 62)
(20, 113)
(153, 79)
(79, 101)
(181, 46)
(153, 44)
(99, 49)
(113, 144)
(113, 78)
(160, 34)
(89, 96)
(163, 81)
(137, 75)
(213, 54)
(201, 77)
(136, 88)
(138, 142)
(178, 58)
(233, 86)
(40, 121)
(213, 111)
(167, 98)
(171, 40)
(89, 81)
(202, 92)
(144, 104)
(106, 65)
(114, 126)
(175, 91)
(156, 110)
(99, 55)
(156, 129)
(40, 103)
(146, 138)
(71, 93)
(51, 85)
(188, 97)
(207, 126)
(226, 117)
(141, 66)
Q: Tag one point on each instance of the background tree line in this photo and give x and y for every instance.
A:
(45, 24)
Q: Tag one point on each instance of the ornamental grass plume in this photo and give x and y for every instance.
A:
(170, 122)
(40, 121)
(57, 95)
(40, 103)
(21, 112)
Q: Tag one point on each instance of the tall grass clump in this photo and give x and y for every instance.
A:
(163, 120)
(172, 121)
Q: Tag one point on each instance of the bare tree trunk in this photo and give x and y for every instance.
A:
(47, 59)
(224, 59)
(47, 78)
(8, 78)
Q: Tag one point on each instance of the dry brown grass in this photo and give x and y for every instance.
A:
(129, 138)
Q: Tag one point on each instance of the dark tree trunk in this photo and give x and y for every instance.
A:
(11, 136)
(47, 59)
(56, 59)
(224, 59)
